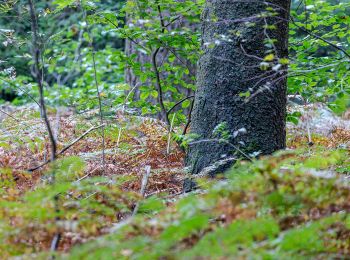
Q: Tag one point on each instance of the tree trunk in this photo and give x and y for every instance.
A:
(240, 64)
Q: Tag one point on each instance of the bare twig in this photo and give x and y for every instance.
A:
(189, 118)
(21, 89)
(178, 103)
(119, 136)
(126, 36)
(67, 147)
(347, 54)
(97, 89)
(157, 74)
(86, 175)
(16, 119)
(159, 87)
(123, 111)
(128, 95)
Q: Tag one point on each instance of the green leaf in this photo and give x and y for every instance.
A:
(61, 4)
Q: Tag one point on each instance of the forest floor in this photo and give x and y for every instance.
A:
(132, 145)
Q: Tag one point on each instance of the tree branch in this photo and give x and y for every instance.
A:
(178, 103)
(320, 38)
(67, 147)
(189, 119)
(159, 87)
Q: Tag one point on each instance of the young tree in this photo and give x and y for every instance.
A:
(240, 104)
(161, 49)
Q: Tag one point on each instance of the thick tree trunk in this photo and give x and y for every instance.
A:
(234, 66)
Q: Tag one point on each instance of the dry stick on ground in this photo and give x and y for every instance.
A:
(143, 187)
(67, 147)
(38, 71)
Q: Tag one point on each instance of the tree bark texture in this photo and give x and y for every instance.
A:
(233, 67)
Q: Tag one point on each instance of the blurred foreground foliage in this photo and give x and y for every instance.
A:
(286, 206)
(292, 205)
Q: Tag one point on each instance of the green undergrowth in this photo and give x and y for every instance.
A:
(291, 205)
(282, 207)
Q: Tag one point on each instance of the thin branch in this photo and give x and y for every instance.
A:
(97, 89)
(159, 87)
(157, 74)
(320, 38)
(178, 103)
(16, 119)
(24, 91)
(126, 36)
(189, 118)
(100, 110)
(67, 147)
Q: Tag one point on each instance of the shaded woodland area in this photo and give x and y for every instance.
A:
(175, 129)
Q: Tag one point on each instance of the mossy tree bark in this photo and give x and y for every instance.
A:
(244, 43)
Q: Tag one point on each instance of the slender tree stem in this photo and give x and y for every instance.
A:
(159, 87)
(100, 109)
(164, 113)
(39, 75)
(91, 46)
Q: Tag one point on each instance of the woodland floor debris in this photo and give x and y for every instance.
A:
(142, 142)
